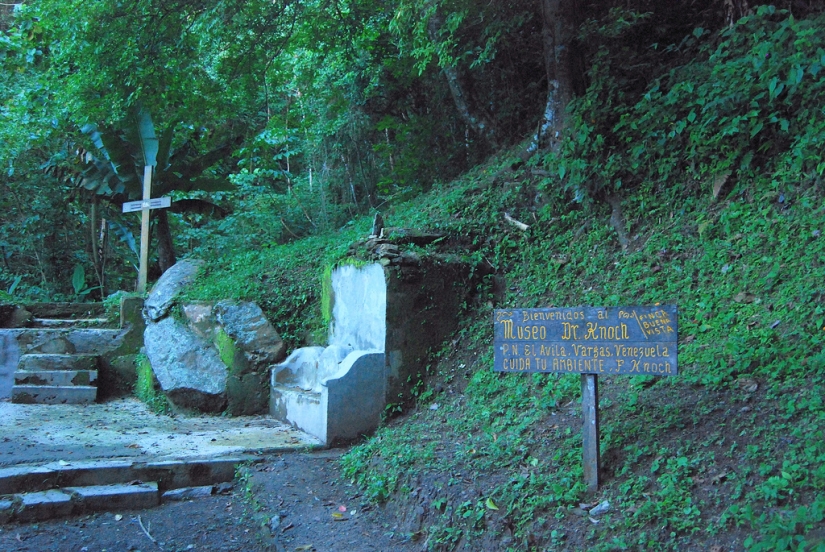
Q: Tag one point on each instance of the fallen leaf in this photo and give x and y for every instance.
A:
(337, 515)
(63, 463)
(747, 384)
(490, 504)
(716, 479)
(718, 182)
(743, 297)
(118, 517)
(594, 521)
(133, 446)
(304, 548)
(342, 508)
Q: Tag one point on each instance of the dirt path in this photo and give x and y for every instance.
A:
(288, 502)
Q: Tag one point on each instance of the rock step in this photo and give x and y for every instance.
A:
(69, 322)
(59, 378)
(42, 505)
(53, 394)
(92, 341)
(66, 310)
(169, 474)
(52, 362)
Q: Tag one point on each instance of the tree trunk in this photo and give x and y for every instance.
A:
(478, 121)
(735, 10)
(558, 27)
(166, 249)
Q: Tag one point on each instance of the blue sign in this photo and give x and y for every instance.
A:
(587, 340)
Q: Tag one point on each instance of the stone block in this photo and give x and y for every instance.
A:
(21, 479)
(188, 493)
(44, 505)
(116, 497)
(94, 472)
(175, 474)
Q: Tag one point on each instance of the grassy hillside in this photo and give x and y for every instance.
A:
(730, 453)
(717, 170)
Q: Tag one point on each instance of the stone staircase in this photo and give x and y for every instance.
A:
(40, 492)
(55, 379)
(57, 372)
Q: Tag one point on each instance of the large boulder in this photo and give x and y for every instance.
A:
(188, 367)
(168, 287)
(232, 341)
(252, 333)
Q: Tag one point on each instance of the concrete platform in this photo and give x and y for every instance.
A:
(125, 428)
(60, 460)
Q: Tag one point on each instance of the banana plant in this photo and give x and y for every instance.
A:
(116, 171)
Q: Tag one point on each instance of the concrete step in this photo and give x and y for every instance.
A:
(169, 474)
(53, 394)
(43, 505)
(51, 362)
(60, 378)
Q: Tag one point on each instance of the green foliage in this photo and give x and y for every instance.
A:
(748, 104)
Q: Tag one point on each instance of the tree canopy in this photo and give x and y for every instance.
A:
(315, 112)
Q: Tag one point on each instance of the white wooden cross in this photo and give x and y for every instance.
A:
(144, 206)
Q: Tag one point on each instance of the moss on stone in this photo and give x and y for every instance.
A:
(326, 295)
(147, 389)
(227, 351)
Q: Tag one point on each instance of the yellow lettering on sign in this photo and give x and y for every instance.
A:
(569, 331)
(600, 332)
(508, 329)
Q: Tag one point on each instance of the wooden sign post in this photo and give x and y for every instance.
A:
(590, 341)
(144, 206)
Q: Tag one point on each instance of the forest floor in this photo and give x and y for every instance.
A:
(287, 502)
